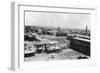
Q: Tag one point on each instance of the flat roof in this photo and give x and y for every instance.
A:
(84, 36)
(82, 39)
(44, 42)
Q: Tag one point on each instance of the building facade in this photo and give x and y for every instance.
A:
(80, 44)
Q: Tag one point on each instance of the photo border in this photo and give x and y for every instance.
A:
(15, 59)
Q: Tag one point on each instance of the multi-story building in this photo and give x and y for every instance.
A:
(80, 43)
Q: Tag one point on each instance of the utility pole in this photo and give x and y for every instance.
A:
(86, 29)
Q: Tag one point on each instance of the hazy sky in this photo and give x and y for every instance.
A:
(65, 20)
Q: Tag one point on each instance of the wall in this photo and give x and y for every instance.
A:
(5, 32)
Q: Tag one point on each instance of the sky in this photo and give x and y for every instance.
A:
(63, 20)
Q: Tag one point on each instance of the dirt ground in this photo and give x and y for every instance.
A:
(65, 54)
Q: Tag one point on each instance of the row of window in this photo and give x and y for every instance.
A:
(82, 43)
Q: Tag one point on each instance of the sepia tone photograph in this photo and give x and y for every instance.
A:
(56, 36)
